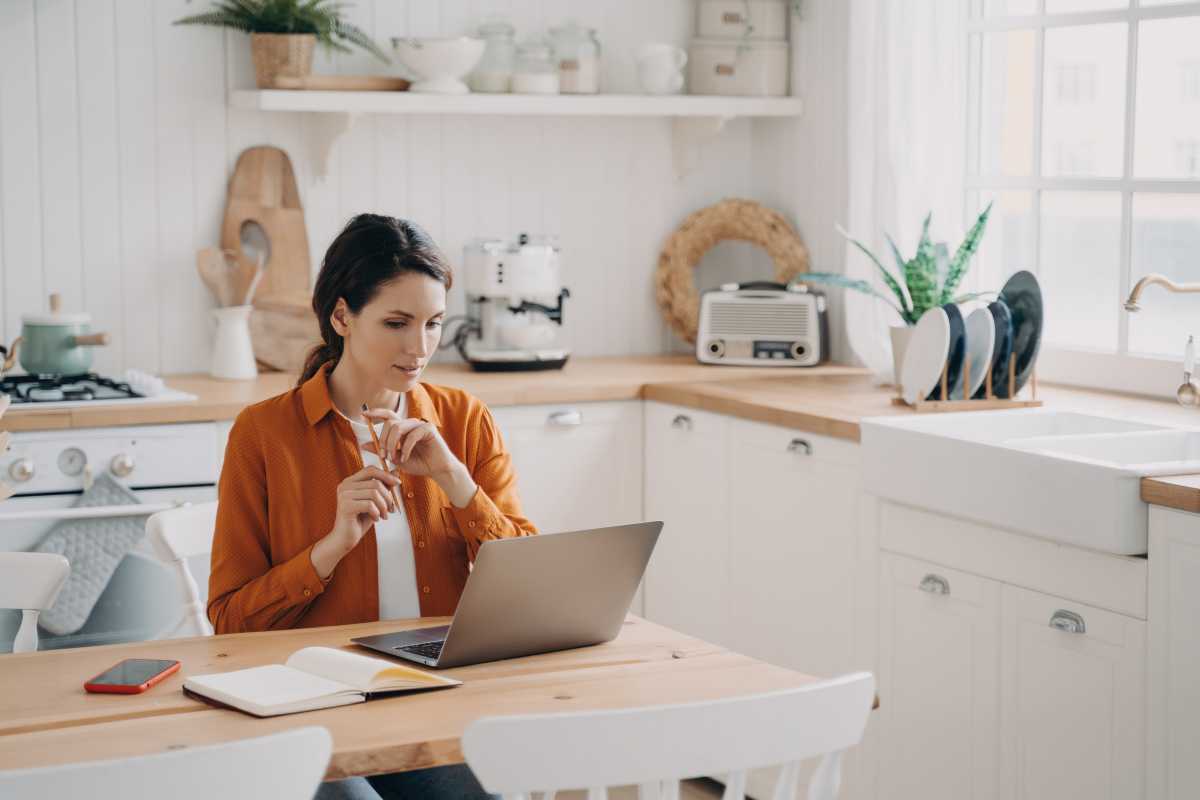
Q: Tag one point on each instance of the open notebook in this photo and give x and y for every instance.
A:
(314, 677)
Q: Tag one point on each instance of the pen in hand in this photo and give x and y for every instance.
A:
(383, 459)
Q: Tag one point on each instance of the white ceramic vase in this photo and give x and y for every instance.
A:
(901, 334)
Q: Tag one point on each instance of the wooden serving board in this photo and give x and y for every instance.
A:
(263, 189)
(284, 329)
(343, 83)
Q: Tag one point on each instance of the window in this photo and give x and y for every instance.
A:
(1084, 133)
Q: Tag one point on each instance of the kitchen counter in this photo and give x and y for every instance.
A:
(583, 380)
(1173, 491)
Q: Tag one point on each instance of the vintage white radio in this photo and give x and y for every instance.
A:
(762, 324)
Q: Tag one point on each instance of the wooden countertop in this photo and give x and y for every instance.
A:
(46, 718)
(582, 380)
(1173, 491)
(828, 400)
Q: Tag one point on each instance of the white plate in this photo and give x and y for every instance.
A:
(981, 341)
(926, 355)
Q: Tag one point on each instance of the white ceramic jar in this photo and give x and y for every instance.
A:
(745, 68)
(742, 19)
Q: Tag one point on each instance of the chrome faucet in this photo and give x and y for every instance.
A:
(1154, 278)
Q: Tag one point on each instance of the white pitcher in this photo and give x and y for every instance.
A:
(660, 68)
(233, 355)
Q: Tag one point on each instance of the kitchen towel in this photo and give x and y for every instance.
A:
(93, 547)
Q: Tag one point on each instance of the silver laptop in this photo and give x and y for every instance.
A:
(535, 594)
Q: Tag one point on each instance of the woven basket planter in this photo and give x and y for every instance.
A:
(281, 55)
(744, 220)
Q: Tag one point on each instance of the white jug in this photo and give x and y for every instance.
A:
(660, 68)
(233, 355)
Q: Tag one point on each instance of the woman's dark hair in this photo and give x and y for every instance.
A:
(370, 251)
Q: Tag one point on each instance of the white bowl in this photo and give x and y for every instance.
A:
(439, 64)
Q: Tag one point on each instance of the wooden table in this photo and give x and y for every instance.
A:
(46, 717)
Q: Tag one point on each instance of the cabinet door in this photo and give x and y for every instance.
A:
(793, 524)
(1072, 700)
(938, 733)
(686, 478)
(1174, 662)
(578, 465)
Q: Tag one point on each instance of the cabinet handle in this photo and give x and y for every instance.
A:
(1067, 622)
(565, 419)
(800, 446)
(935, 584)
(682, 422)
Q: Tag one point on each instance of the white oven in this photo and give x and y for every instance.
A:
(162, 465)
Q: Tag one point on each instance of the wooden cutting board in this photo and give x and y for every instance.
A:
(283, 330)
(263, 189)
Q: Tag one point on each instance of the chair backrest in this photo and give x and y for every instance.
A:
(30, 582)
(287, 766)
(176, 535)
(657, 746)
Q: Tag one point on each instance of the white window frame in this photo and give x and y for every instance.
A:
(1114, 371)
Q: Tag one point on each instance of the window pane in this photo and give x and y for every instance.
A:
(1006, 103)
(1069, 6)
(1007, 245)
(1167, 141)
(1083, 130)
(1005, 8)
(1080, 267)
(1166, 240)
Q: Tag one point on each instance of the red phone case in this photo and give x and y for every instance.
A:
(113, 688)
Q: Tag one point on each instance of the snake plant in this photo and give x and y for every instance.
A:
(930, 278)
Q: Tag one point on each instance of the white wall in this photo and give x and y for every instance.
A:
(116, 145)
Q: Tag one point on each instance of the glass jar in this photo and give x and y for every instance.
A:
(494, 72)
(535, 71)
(577, 52)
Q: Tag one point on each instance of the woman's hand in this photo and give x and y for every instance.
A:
(363, 499)
(416, 447)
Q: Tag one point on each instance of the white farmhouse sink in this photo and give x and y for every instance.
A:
(1069, 477)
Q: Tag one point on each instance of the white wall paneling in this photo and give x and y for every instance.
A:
(116, 144)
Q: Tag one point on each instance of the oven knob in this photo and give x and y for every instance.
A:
(21, 470)
(122, 465)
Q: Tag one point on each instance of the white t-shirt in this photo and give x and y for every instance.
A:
(398, 598)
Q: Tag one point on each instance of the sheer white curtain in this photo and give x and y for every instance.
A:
(907, 107)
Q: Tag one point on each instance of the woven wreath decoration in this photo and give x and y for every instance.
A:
(744, 220)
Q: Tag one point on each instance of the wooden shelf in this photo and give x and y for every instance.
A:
(611, 105)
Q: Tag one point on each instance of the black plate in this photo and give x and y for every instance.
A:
(1023, 296)
(1002, 319)
(954, 354)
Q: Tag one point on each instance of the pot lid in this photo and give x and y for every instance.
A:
(56, 316)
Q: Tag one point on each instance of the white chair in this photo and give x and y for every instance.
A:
(287, 766)
(655, 747)
(30, 582)
(176, 535)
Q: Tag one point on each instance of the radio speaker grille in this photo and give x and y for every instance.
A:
(761, 321)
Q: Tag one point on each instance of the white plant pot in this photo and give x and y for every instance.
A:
(901, 335)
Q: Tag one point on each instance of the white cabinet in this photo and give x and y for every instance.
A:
(1173, 770)
(1072, 720)
(938, 719)
(793, 524)
(578, 465)
(687, 477)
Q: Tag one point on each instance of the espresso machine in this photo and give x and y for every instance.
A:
(514, 306)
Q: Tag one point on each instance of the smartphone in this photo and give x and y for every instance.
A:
(131, 676)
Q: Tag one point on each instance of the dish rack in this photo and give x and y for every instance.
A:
(988, 401)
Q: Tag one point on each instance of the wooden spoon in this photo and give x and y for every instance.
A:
(214, 271)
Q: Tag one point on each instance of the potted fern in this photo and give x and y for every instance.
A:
(283, 33)
(930, 278)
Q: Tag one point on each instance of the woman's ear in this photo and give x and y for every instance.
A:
(340, 318)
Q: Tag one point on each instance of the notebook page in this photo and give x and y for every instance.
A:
(266, 686)
(362, 672)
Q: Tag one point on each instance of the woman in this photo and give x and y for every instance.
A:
(310, 529)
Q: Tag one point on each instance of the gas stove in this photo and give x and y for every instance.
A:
(66, 391)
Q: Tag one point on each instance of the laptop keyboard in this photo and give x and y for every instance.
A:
(425, 649)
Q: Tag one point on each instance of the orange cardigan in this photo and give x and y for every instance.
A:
(278, 497)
